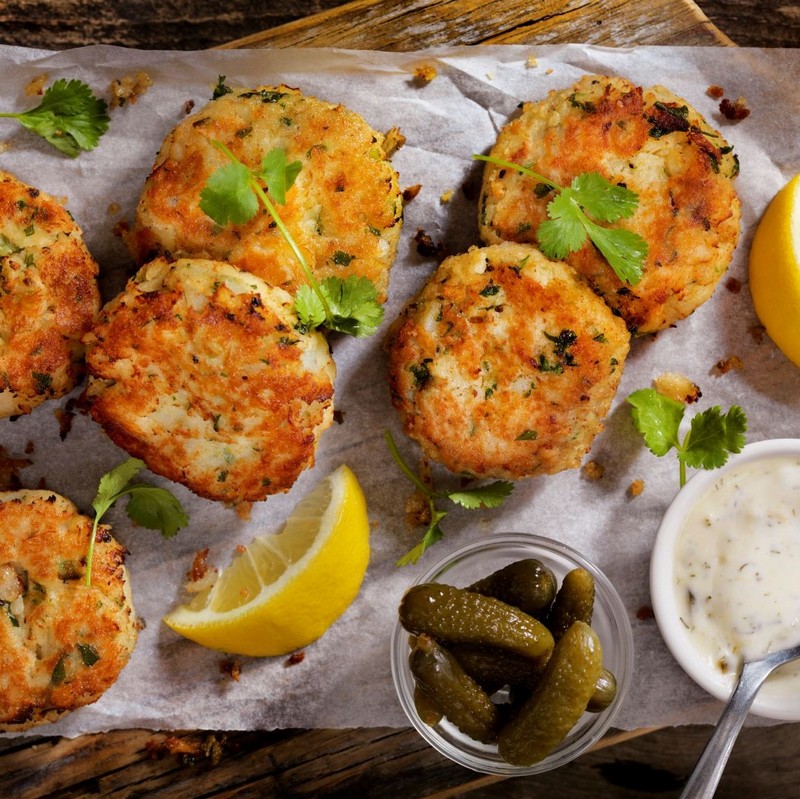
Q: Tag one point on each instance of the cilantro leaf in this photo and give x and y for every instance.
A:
(432, 535)
(570, 219)
(564, 232)
(69, 117)
(353, 303)
(657, 418)
(152, 507)
(277, 174)
(624, 250)
(602, 199)
(156, 509)
(712, 435)
(228, 197)
(232, 194)
(488, 496)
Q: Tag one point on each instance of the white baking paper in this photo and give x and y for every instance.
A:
(345, 680)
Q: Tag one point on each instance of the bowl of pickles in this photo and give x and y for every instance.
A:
(512, 655)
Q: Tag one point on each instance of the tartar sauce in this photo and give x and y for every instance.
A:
(737, 565)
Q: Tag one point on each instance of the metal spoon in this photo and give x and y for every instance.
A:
(703, 782)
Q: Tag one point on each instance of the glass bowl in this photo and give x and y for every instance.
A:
(775, 699)
(610, 622)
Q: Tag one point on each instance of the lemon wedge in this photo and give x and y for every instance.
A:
(284, 591)
(775, 270)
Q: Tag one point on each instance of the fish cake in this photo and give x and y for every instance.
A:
(658, 146)
(344, 209)
(198, 369)
(62, 644)
(505, 364)
(48, 297)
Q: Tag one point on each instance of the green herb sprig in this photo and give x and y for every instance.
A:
(711, 438)
(232, 194)
(69, 117)
(570, 220)
(486, 496)
(150, 506)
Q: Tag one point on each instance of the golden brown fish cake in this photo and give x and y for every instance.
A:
(62, 644)
(658, 146)
(197, 369)
(48, 297)
(344, 210)
(505, 364)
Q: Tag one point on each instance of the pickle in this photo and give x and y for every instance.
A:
(461, 616)
(558, 700)
(605, 690)
(526, 584)
(445, 685)
(493, 668)
(427, 709)
(574, 602)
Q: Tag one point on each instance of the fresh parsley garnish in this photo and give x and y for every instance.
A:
(69, 117)
(150, 506)
(486, 496)
(232, 194)
(572, 214)
(712, 436)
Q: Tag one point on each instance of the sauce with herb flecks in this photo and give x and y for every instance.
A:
(737, 564)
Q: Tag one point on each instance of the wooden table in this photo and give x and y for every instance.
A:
(378, 762)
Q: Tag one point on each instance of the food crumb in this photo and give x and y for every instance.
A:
(393, 141)
(114, 209)
(446, 196)
(201, 575)
(418, 510)
(757, 333)
(677, 387)
(338, 416)
(243, 510)
(715, 91)
(636, 488)
(592, 470)
(729, 364)
(736, 110)
(411, 192)
(531, 62)
(9, 471)
(240, 549)
(189, 752)
(295, 658)
(734, 285)
(65, 416)
(426, 245)
(490, 76)
(29, 448)
(231, 668)
(36, 86)
(548, 71)
(188, 107)
(424, 74)
(129, 89)
(645, 613)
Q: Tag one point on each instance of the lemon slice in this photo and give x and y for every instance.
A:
(775, 270)
(284, 591)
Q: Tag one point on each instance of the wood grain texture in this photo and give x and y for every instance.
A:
(413, 24)
(382, 763)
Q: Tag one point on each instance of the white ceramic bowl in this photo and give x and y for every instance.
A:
(610, 622)
(770, 702)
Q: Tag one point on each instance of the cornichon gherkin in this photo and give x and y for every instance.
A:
(574, 602)
(446, 686)
(459, 615)
(494, 668)
(558, 700)
(527, 584)
(605, 692)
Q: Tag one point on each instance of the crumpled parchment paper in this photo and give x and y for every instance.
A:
(345, 679)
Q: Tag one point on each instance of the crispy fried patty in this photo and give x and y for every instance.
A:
(48, 297)
(344, 210)
(505, 364)
(197, 369)
(61, 644)
(658, 146)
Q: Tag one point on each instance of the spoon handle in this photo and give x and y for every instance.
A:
(703, 782)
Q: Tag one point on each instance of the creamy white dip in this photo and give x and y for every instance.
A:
(737, 565)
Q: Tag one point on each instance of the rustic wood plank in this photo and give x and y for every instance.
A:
(414, 24)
